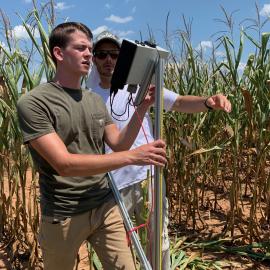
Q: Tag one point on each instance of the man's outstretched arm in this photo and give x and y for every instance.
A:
(193, 104)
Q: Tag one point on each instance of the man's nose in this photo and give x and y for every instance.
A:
(108, 57)
(88, 53)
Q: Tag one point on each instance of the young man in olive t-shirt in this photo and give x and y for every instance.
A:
(65, 128)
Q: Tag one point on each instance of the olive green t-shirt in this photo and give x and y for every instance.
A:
(79, 118)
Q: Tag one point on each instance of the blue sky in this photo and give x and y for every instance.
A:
(131, 18)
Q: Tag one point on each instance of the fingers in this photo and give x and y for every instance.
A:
(227, 107)
(157, 159)
(158, 155)
(220, 102)
(150, 97)
(153, 153)
(151, 94)
(151, 87)
(159, 143)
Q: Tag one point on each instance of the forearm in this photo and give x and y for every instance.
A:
(129, 133)
(85, 165)
(189, 104)
(53, 150)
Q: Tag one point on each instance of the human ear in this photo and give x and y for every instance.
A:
(58, 54)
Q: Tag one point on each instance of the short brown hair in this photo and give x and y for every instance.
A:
(60, 35)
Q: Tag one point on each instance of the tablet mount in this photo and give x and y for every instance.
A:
(135, 66)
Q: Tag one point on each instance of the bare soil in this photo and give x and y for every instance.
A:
(213, 223)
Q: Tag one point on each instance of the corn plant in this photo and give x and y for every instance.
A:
(209, 154)
(19, 203)
(227, 154)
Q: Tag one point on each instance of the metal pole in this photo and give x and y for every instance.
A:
(129, 225)
(157, 248)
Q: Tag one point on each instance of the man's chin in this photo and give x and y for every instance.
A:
(85, 73)
(107, 75)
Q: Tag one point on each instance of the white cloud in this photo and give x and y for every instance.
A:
(108, 6)
(206, 44)
(265, 11)
(20, 32)
(124, 34)
(133, 10)
(99, 30)
(120, 34)
(118, 19)
(62, 6)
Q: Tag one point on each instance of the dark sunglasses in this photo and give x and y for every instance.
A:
(103, 54)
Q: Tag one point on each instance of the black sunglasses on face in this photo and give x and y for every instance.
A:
(103, 54)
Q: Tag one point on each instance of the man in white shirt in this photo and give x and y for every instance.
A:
(128, 179)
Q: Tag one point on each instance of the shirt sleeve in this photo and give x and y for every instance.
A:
(34, 119)
(108, 118)
(169, 99)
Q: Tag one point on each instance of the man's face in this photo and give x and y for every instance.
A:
(105, 58)
(77, 55)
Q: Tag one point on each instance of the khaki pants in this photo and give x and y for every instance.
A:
(103, 227)
(133, 199)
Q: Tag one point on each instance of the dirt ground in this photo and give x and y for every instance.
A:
(214, 222)
(212, 226)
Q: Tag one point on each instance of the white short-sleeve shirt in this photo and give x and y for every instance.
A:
(132, 174)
